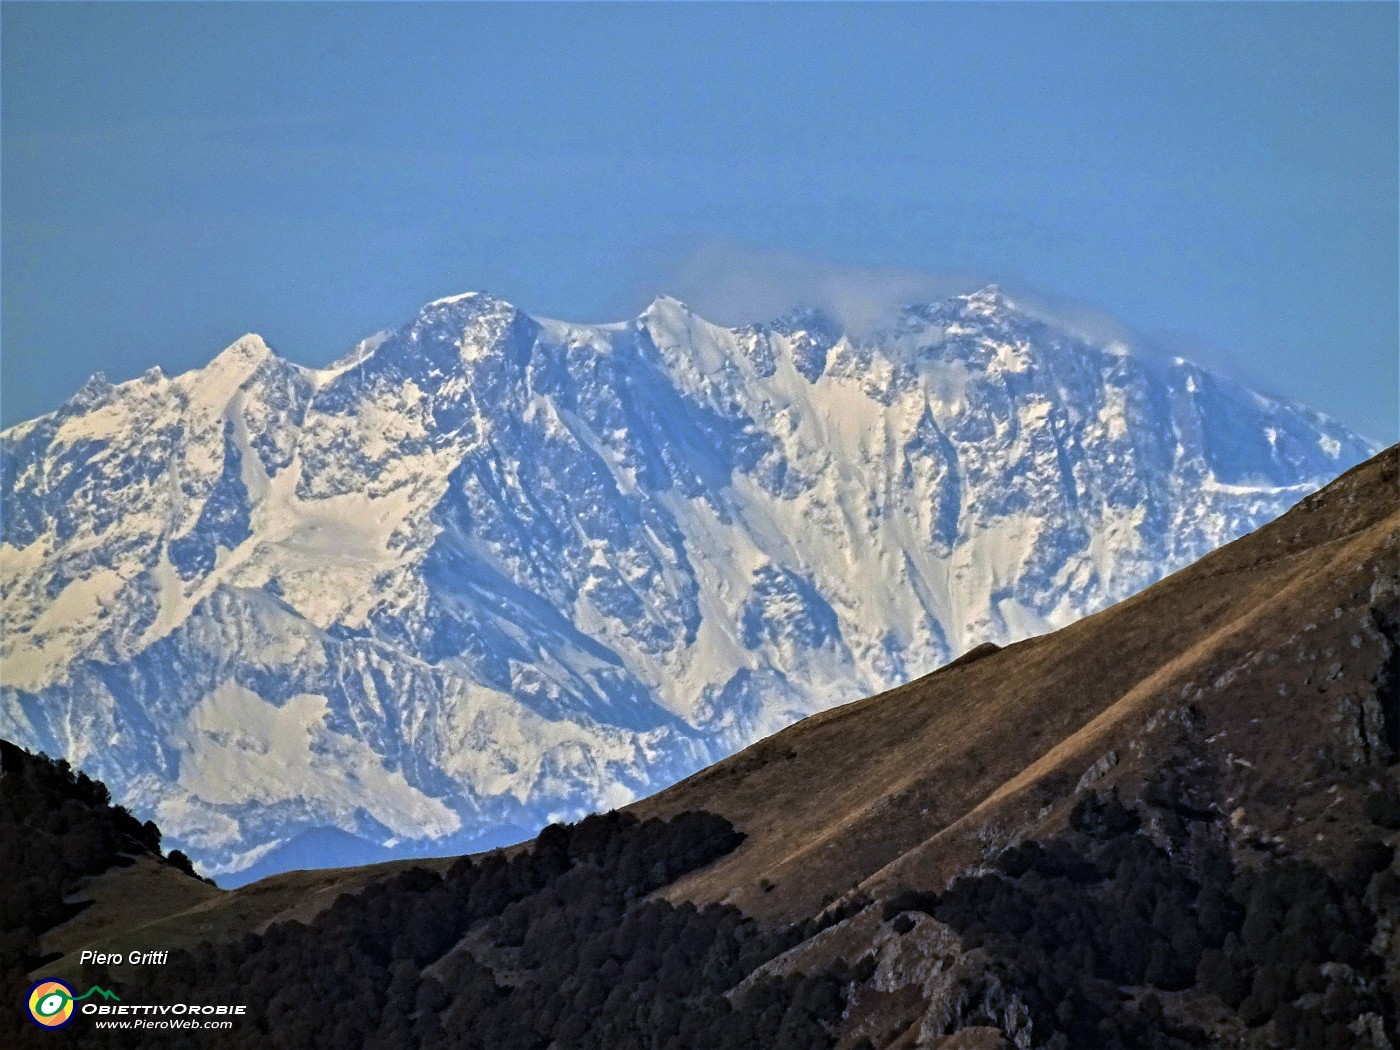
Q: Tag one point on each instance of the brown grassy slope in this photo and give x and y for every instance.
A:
(146, 891)
(915, 784)
(149, 907)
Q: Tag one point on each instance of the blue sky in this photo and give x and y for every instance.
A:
(1220, 177)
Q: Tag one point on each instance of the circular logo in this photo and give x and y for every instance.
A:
(51, 1004)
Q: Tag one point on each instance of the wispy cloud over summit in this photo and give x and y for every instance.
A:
(735, 285)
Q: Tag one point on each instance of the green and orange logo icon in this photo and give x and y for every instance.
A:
(51, 1002)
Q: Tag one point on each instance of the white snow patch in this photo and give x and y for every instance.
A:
(236, 748)
(1114, 413)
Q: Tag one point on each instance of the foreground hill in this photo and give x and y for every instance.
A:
(1265, 675)
(492, 570)
(1169, 825)
(60, 832)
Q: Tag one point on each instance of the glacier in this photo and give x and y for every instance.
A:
(491, 570)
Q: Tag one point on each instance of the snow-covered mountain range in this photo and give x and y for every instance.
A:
(491, 570)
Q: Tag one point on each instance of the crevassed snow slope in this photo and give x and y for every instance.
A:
(491, 570)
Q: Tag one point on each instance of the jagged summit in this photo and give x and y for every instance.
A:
(988, 296)
(453, 300)
(489, 569)
(240, 357)
(666, 313)
(664, 303)
(95, 389)
(812, 319)
(465, 305)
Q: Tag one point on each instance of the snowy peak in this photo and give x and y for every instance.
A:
(802, 319)
(473, 324)
(667, 320)
(464, 307)
(459, 300)
(95, 391)
(986, 301)
(465, 313)
(242, 355)
(488, 570)
(666, 306)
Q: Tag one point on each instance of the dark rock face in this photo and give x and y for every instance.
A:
(1115, 936)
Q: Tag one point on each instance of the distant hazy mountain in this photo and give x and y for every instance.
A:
(489, 569)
